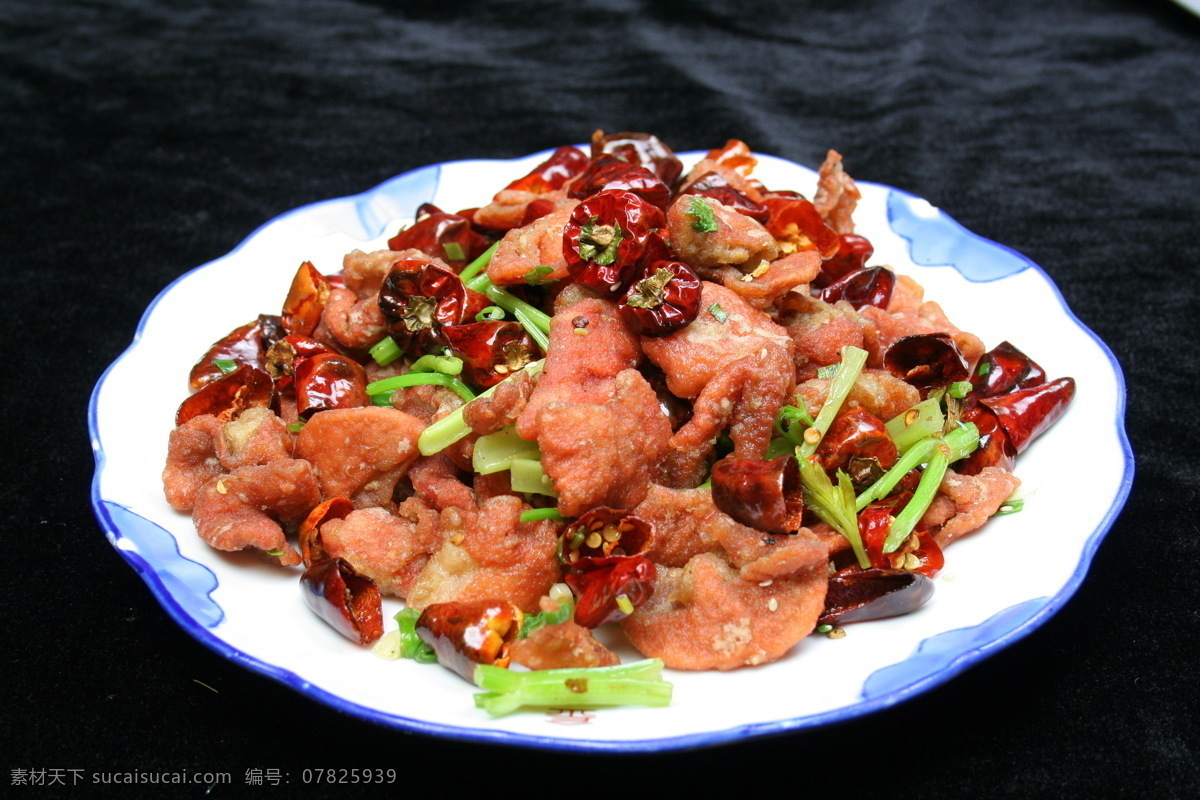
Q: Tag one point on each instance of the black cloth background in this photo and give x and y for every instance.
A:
(141, 139)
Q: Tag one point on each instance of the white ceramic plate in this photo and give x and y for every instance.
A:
(253, 613)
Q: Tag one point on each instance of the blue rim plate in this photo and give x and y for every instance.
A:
(251, 612)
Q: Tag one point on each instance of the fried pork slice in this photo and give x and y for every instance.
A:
(390, 549)
(538, 244)
(255, 506)
(712, 615)
(738, 241)
(487, 552)
(205, 447)
(604, 455)
(739, 371)
(819, 331)
(581, 367)
(876, 390)
(360, 453)
(965, 502)
(837, 196)
(565, 645)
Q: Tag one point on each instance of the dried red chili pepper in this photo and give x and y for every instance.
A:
(328, 381)
(439, 234)
(866, 287)
(926, 360)
(348, 601)
(419, 298)
(761, 494)
(1026, 413)
(797, 225)
(716, 186)
(490, 351)
(858, 595)
(640, 148)
(229, 395)
(469, 633)
(1003, 369)
(856, 434)
(604, 532)
(562, 165)
(606, 238)
(602, 584)
(663, 297)
(609, 173)
(305, 300)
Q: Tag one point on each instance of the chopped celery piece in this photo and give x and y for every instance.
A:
(853, 360)
(507, 691)
(923, 419)
(526, 475)
(451, 428)
(496, 451)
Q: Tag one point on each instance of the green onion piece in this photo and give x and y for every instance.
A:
(479, 264)
(718, 313)
(411, 645)
(922, 420)
(495, 451)
(451, 428)
(454, 251)
(447, 365)
(703, 218)
(853, 360)
(226, 365)
(507, 690)
(418, 378)
(537, 275)
(385, 351)
(959, 389)
(527, 475)
(931, 479)
(834, 504)
(539, 514)
(490, 314)
(961, 442)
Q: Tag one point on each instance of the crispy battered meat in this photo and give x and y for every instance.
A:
(205, 447)
(488, 552)
(539, 243)
(390, 549)
(738, 240)
(604, 455)
(255, 505)
(360, 453)
(837, 196)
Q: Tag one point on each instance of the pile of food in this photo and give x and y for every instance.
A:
(617, 394)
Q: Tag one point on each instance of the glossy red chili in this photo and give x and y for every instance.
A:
(328, 381)
(490, 351)
(229, 395)
(859, 595)
(926, 360)
(604, 532)
(607, 237)
(1003, 369)
(439, 234)
(795, 222)
(419, 298)
(464, 634)
(856, 434)
(1026, 413)
(610, 172)
(851, 256)
(562, 165)
(600, 584)
(716, 186)
(348, 601)
(663, 297)
(640, 148)
(305, 300)
(866, 287)
(761, 494)
(994, 450)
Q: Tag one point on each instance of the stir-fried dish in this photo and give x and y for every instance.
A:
(619, 394)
